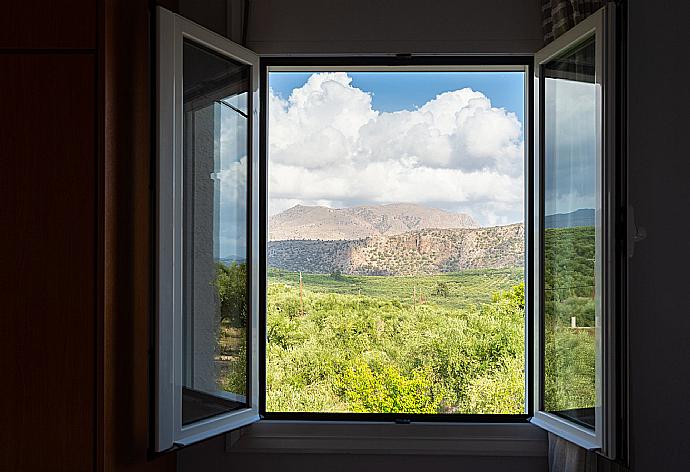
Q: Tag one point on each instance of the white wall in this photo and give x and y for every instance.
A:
(368, 26)
(215, 455)
(376, 26)
(659, 170)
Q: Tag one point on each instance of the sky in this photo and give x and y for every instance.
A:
(446, 140)
(395, 91)
(451, 140)
(570, 137)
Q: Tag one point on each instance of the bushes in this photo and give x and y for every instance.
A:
(383, 389)
(231, 286)
(379, 352)
(354, 353)
(569, 278)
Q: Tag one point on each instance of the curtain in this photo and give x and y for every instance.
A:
(565, 456)
(558, 16)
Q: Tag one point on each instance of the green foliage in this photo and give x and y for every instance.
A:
(442, 289)
(569, 278)
(233, 343)
(357, 353)
(449, 343)
(569, 369)
(465, 289)
(385, 390)
(231, 284)
(499, 391)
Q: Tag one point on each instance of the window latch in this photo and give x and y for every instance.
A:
(635, 233)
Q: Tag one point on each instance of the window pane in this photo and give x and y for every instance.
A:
(215, 372)
(395, 243)
(570, 235)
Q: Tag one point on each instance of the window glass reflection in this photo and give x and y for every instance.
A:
(570, 234)
(215, 296)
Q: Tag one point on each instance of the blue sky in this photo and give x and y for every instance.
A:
(394, 91)
(453, 141)
(450, 140)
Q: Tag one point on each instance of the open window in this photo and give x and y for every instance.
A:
(207, 330)
(395, 242)
(576, 256)
(556, 290)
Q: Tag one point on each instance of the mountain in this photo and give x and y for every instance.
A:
(318, 222)
(581, 217)
(425, 251)
(229, 260)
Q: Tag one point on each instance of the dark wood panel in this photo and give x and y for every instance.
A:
(47, 255)
(48, 24)
(126, 221)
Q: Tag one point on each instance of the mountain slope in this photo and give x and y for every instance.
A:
(426, 251)
(581, 217)
(318, 222)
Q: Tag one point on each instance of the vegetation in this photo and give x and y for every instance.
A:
(360, 353)
(231, 287)
(457, 289)
(448, 343)
(418, 252)
(569, 292)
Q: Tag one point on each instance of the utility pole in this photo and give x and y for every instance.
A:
(301, 300)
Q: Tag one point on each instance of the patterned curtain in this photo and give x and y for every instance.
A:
(558, 16)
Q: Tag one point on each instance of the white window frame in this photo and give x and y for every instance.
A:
(173, 30)
(599, 25)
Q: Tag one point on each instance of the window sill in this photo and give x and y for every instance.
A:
(322, 437)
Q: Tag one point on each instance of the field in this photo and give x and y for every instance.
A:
(452, 290)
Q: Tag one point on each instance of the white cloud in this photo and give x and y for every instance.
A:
(329, 146)
(570, 142)
(232, 232)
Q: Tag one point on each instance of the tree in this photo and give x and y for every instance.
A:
(231, 284)
(442, 289)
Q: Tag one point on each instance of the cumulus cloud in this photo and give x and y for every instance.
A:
(231, 180)
(571, 145)
(232, 230)
(328, 146)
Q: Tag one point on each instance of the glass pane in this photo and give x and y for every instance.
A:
(215, 369)
(396, 243)
(570, 235)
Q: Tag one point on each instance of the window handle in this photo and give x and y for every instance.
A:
(635, 233)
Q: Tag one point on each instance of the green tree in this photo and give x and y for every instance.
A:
(231, 285)
(442, 289)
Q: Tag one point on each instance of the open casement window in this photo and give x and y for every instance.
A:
(575, 256)
(208, 269)
(207, 323)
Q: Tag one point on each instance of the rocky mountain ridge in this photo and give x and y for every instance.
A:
(322, 223)
(424, 251)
